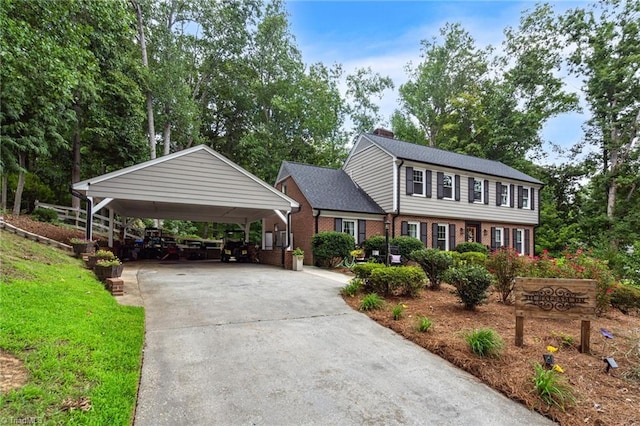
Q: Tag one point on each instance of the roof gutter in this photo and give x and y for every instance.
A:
(397, 212)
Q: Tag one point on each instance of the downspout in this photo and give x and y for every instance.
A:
(316, 219)
(89, 224)
(289, 213)
(397, 213)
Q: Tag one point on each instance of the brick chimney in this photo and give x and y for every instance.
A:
(384, 133)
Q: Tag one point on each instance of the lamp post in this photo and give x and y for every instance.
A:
(386, 241)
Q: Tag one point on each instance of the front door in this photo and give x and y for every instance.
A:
(472, 233)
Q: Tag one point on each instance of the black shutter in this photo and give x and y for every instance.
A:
(493, 238)
(511, 195)
(423, 233)
(532, 198)
(486, 191)
(519, 196)
(337, 224)
(405, 228)
(428, 183)
(452, 236)
(527, 241)
(362, 231)
(457, 177)
(514, 241)
(498, 194)
(440, 178)
(434, 235)
(471, 189)
(505, 236)
(409, 171)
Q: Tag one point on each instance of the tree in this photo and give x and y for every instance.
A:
(361, 87)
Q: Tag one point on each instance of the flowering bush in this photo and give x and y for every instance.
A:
(580, 265)
(505, 264)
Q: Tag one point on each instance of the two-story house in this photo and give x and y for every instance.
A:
(440, 197)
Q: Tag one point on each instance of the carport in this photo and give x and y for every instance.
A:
(197, 184)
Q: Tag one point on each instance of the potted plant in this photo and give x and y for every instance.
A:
(298, 259)
(81, 246)
(357, 253)
(108, 268)
(100, 255)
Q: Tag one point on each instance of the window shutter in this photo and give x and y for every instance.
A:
(434, 235)
(428, 183)
(493, 238)
(337, 224)
(362, 231)
(498, 194)
(452, 236)
(519, 196)
(486, 191)
(514, 240)
(440, 178)
(527, 237)
(423, 233)
(409, 171)
(470, 189)
(405, 228)
(457, 178)
(532, 198)
(511, 195)
(505, 235)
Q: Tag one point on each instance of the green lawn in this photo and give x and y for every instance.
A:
(75, 340)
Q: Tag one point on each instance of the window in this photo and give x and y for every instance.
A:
(525, 198)
(518, 241)
(350, 227)
(418, 182)
(413, 229)
(284, 188)
(442, 237)
(498, 237)
(477, 190)
(447, 187)
(504, 195)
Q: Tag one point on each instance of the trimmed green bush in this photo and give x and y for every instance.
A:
(472, 258)
(363, 270)
(406, 245)
(504, 264)
(377, 242)
(45, 215)
(472, 248)
(371, 301)
(484, 342)
(329, 248)
(434, 263)
(471, 283)
(403, 280)
(625, 298)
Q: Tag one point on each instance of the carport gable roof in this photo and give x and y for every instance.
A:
(328, 189)
(194, 184)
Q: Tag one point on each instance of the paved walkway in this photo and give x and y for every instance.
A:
(234, 344)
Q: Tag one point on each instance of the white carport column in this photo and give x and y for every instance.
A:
(247, 229)
(95, 209)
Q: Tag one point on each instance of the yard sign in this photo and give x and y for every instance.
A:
(556, 298)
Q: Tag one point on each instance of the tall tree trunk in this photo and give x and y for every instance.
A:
(3, 203)
(17, 201)
(166, 133)
(75, 156)
(145, 62)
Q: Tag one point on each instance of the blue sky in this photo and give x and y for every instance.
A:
(386, 35)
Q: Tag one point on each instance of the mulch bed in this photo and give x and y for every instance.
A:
(603, 398)
(55, 232)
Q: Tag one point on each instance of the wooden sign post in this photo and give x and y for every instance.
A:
(556, 298)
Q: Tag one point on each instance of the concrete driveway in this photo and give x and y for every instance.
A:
(234, 344)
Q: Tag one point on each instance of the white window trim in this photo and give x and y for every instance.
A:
(424, 183)
(522, 251)
(355, 227)
(507, 203)
(453, 185)
(417, 225)
(481, 201)
(499, 243)
(446, 235)
(528, 190)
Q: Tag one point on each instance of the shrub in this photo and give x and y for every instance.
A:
(471, 283)
(406, 245)
(484, 342)
(371, 301)
(504, 264)
(397, 311)
(472, 248)
(404, 280)
(377, 242)
(424, 324)
(353, 287)
(329, 248)
(104, 254)
(363, 270)
(434, 263)
(45, 215)
(472, 258)
(109, 262)
(625, 298)
(549, 386)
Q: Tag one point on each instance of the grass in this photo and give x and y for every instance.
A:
(549, 386)
(424, 324)
(352, 288)
(397, 310)
(484, 342)
(371, 301)
(76, 342)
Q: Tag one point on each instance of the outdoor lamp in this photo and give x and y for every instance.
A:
(548, 360)
(611, 363)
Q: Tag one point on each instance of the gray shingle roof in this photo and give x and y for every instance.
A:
(329, 189)
(429, 155)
